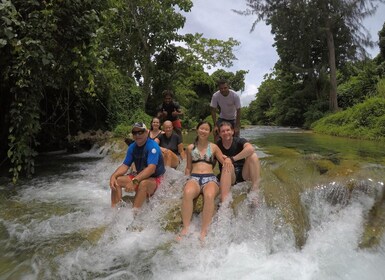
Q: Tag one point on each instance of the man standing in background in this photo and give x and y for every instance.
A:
(170, 110)
(229, 105)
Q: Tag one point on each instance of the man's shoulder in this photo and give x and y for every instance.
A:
(151, 143)
(175, 135)
(241, 140)
(215, 94)
(219, 143)
(234, 93)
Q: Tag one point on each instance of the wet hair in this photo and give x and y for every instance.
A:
(199, 125)
(226, 123)
(160, 125)
(168, 92)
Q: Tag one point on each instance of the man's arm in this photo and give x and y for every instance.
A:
(120, 171)
(146, 173)
(187, 170)
(247, 151)
(237, 127)
(160, 112)
(214, 116)
(177, 111)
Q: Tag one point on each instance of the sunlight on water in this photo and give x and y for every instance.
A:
(62, 227)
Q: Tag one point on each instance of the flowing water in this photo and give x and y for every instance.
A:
(320, 215)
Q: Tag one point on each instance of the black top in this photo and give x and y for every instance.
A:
(235, 148)
(169, 108)
(171, 142)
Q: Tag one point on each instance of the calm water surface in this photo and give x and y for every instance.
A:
(320, 216)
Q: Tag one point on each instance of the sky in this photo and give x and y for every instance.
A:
(216, 20)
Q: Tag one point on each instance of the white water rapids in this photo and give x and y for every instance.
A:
(66, 229)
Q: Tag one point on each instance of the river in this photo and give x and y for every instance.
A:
(320, 216)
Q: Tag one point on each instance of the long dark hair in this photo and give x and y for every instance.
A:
(160, 125)
(197, 127)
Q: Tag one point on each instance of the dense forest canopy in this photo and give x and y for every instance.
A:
(318, 42)
(80, 65)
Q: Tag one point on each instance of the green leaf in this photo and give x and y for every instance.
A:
(3, 42)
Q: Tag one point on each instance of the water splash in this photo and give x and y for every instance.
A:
(61, 226)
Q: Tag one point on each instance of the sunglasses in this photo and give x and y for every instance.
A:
(140, 132)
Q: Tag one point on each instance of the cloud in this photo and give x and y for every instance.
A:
(215, 19)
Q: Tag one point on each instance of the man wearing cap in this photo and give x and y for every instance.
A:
(148, 159)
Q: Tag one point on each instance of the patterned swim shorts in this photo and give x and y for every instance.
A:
(203, 179)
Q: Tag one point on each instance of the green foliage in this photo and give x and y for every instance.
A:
(364, 121)
(209, 52)
(359, 86)
(124, 129)
(42, 49)
(381, 42)
(381, 88)
(24, 127)
(236, 81)
(316, 111)
(314, 38)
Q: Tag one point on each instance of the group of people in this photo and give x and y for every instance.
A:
(152, 150)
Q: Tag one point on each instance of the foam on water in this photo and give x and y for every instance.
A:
(250, 243)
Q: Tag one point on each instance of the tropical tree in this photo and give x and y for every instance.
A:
(326, 24)
(43, 46)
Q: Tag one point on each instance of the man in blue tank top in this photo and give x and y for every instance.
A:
(245, 161)
(147, 157)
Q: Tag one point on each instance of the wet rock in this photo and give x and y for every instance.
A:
(84, 141)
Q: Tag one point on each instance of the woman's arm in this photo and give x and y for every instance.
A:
(224, 160)
(188, 160)
(181, 151)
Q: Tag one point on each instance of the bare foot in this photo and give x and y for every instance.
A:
(203, 236)
(182, 234)
(253, 198)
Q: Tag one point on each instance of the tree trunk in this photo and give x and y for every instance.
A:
(147, 78)
(333, 104)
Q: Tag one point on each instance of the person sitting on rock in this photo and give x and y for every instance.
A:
(149, 164)
(171, 146)
(245, 163)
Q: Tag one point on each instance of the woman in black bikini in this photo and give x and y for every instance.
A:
(155, 129)
(200, 163)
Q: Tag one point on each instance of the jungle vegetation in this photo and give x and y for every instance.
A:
(80, 65)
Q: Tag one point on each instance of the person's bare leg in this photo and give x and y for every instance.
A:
(226, 181)
(252, 171)
(116, 195)
(210, 191)
(166, 158)
(146, 188)
(170, 159)
(191, 191)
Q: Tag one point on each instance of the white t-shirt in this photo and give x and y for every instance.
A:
(228, 104)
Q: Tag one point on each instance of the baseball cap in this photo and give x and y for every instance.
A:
(139, 125)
